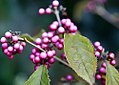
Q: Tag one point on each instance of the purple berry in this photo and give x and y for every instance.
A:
(50, 34)
(8, 35)
(32, 56)
(54, 52)
(51, 60)
(44, 45)
(41, 11)
(45, 34)
(43, 55)
(37, 59)
(100, 48)
(11, 57)
(55, 39)
(23, 44)
(60, 46)
(61, 30)
(61, 41)
(68, 24)
(97, 54)
(21, 48)
(5, 51)
(45, 40)
(36, 67)
(98, 76)
(15, 38)
(10, 49)
(16, 46)
(63, 21)
(38, 41)
(69, 77)
(113, 62)
(103, 70)
(3, 40)
(96, 44)
(55, 23)
(111, 55)
(103, 65)
(53, 27)
(50, 54)
(55, 3)
(34, 50)
(48, 10)
(4, 45)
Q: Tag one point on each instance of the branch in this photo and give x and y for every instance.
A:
(107, 16)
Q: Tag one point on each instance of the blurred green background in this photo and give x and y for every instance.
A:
(22, 15)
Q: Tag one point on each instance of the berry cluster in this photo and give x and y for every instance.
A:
(53, 38)
(11, 44)
(101, 54)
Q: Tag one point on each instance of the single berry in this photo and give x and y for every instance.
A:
(50, 54)
(100, 48)
(16, 45)
(38, 41)
(3, 40)
(97, 54)
(32, 56)
(51, 60)
(103, 65)
(45, 40)
(53, 27)
(50, 34)
(45, 34)
(37, 59)
(69, 77)
(113, 62)
(55, 39)
(103, 70)
(48, 10)
(8, 35)
(15, 38)
(4, 45)
(43, 55)
(41, 11)
(61, 30)
(98, 76)
(111, 55)
(55, 3)
(10, 49)
(96, 44)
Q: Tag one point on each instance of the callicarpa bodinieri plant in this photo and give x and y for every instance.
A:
(91, 62)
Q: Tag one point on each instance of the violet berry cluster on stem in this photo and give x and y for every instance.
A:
(11, 44)
(102, 55)
(53, 38)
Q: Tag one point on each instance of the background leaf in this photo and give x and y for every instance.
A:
(80, 55)
(39, 77)
(79, 9)
(112, 75)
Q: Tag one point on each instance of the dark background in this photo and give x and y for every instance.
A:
(22, 15)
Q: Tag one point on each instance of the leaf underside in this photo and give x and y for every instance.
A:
(80, 55)
(39, 77)
(112, 75)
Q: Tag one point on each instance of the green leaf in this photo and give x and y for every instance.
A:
(80, 55)
(39, 77)
(79, 9)
(112, 75)
(28, 37)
